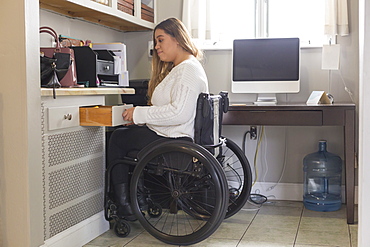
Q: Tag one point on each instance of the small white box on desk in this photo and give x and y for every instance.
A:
(318, 97)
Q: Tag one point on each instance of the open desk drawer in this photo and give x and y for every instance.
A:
(102, 115)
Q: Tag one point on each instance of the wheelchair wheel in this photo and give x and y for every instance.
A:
(155, 210)
(121, 228)
(190, 187)
(238, 175)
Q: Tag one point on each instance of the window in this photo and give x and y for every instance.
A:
(233, 19)
(297, 18)
(237, 19)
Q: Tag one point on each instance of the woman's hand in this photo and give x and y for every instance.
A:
(128, 114)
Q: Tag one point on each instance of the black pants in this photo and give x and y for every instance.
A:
(124, 140)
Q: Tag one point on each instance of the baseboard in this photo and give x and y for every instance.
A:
(81, 233)
(287, 191)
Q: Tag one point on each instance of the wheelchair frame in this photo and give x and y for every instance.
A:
(186, 190)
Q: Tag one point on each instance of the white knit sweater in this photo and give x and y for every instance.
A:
(174, 101)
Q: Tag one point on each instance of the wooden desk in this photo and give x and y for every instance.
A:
(303, 115)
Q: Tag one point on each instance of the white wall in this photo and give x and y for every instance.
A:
(364, 130)
(77, 29)
(137, 42)
(138, 63)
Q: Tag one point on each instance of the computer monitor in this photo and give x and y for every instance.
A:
(266, 66)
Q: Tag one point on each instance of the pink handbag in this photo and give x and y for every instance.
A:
(70, 78)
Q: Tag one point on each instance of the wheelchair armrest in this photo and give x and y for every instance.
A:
(222, 141)
(225, 101)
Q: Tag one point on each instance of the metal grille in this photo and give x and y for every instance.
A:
(74, 181)
(68, 146)
(75, 214)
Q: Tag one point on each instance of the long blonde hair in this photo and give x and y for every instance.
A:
(175, 28)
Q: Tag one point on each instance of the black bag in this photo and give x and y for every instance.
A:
(58, 64)
(208, 119)
(53, 70)
(65, 62)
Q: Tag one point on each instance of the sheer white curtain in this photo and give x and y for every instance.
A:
(197, 15)
(217, 21)
(336, 18)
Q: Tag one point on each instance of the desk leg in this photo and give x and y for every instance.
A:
(349, 153)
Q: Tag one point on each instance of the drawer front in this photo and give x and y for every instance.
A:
(105, 68)
(117, 111)
(63, 117)
(282, 118)
(103, 115)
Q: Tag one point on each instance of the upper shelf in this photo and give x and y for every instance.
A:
(102, 14)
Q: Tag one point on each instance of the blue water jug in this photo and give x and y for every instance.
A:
(322, 180)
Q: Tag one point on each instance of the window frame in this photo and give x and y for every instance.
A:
(261, 30)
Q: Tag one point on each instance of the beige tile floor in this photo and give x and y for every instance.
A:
(275, 224)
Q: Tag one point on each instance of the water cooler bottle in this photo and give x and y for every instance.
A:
(322, 180)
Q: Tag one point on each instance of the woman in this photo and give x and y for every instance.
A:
(176, 81)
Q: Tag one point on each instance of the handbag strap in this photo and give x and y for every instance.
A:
(50, 29)
(52, 32)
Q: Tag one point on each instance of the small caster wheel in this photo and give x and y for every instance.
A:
(121, 228)
(155, 210)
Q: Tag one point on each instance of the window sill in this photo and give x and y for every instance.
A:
(209, 45)
(228, 46)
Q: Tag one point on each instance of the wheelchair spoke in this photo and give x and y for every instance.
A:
(238, 174)
(197, 208)
(185, 188)
(154, 180)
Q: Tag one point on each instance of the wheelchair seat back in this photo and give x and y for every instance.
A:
(208, 120)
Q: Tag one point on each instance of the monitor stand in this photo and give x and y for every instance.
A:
(266, 99)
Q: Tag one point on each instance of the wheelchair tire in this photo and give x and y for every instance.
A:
(189, 184)
(238, 175)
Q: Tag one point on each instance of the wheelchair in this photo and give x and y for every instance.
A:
(181, 191)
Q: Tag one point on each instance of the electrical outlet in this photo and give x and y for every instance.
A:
(150, 48)
(253, 132)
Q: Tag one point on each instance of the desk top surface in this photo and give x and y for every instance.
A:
(289, 106)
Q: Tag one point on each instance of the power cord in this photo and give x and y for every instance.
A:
(259, 140)
(284, 162)
(244, 140)
(254, 161)
(344, 84)
(346, 88)
(255, 198)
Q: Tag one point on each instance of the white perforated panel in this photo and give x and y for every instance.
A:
(71, 216)
(69, 146)
(71, 182)
(73, 176)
